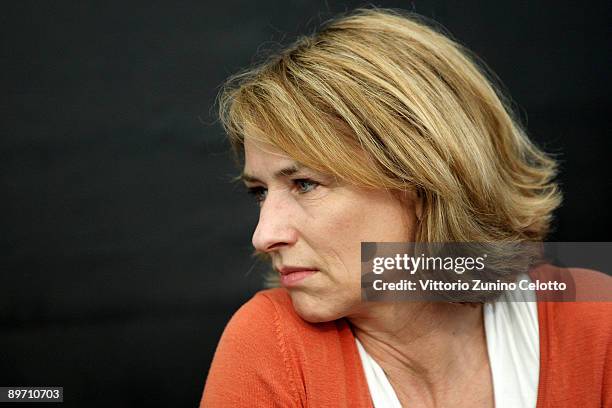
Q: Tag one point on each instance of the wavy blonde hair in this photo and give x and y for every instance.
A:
(421, 109)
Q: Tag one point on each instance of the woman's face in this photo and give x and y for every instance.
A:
(312, 225)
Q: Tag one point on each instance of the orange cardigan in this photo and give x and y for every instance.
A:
(269, 357)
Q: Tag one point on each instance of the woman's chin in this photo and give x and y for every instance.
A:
(314, 309)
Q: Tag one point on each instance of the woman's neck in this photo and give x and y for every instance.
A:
(429, 348)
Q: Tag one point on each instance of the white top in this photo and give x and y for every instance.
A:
(513, 344)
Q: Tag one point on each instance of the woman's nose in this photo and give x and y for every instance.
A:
(274, 229)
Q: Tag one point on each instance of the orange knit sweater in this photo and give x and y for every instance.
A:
(269, 357)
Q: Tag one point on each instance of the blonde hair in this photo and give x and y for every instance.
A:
(418, 107)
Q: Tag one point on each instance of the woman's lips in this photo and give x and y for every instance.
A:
(291, 276)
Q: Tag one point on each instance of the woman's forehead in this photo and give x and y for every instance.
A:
(265, 159)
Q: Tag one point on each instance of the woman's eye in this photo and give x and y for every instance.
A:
(305, 185)
(258, 193)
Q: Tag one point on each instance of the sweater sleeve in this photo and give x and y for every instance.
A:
(249, 367)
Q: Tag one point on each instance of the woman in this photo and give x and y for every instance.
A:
(380, 129)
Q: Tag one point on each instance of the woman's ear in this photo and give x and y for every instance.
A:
(413, 199)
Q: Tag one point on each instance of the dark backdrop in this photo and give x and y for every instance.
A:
(125, 249)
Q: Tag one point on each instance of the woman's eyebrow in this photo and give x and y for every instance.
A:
(284, 172)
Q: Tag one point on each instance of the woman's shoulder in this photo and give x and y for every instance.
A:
(262, 323)
(269, 321)
(263, 307)
(269, 356)
(582, 320)
(575, 339)
(269, 309)
(250, 366)
(581, 285)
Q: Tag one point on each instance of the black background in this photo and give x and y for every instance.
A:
(125, 249)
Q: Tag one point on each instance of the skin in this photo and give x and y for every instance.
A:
(435, 354)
